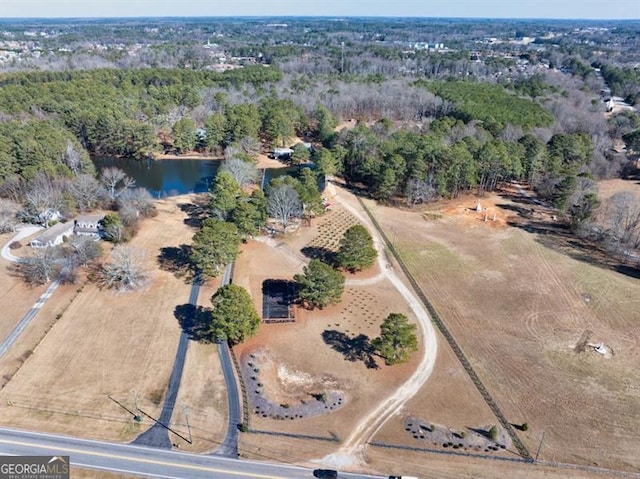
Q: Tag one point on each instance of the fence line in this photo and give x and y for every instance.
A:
(296, 436)
(435, 318)
(243, 390)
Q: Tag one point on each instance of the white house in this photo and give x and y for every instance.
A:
(282, 153)
(88, 225)
(53, 236)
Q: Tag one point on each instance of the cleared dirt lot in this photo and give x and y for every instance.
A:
(518, 308)
(320, 344)
(115, 344)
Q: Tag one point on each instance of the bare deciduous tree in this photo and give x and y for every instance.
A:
(133, 204)
(421, 191)
(44, 195)
(242, 171)
(8, 215)
(283, 204)
(249, 145)
(85, 190)
(42, 267)
(13, 188)
(125, 271)
(72, 158)
(85, 249)
(115, 181)
(623, 218)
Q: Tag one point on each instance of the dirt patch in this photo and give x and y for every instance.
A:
(607, 188)
(329, 343)
(278, 391)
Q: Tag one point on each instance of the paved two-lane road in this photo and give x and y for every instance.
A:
(146, 461)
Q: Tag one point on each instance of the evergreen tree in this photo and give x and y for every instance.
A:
(214, 246)
(224, 195)
(319, 285)
(397, 339)
(233, 317)
(184, 135)
(356, 249)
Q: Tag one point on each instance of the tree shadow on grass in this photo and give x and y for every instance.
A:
(196, 212)
(194, 321)
(480, 432)
(354, 349)
(176, 260)
(317, 252)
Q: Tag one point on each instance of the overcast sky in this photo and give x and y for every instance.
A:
(591, 9)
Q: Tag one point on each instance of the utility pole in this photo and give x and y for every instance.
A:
(540, 445)
(342, 57)
(137, 417)
(185, 411)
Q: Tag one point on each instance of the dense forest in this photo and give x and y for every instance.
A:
(432, 121)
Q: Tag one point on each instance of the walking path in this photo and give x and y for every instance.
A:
(351, 452)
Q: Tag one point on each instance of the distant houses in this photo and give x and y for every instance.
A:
(84, 225)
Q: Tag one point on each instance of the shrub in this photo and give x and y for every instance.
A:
(525, 426)
(15, 245)
(493, 433)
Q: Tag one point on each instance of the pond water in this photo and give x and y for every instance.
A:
(175, 177)
(165, 177)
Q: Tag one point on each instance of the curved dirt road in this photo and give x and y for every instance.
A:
(350, 453)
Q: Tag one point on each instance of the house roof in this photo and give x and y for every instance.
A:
(91, 219)
(52, 233)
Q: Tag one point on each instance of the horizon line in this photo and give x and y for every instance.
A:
(336, 17)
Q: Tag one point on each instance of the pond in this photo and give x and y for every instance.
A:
(165, 177)
(175, 177)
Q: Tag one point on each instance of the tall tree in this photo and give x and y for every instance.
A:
(214, 246)
(397, 339)
(224, 195)
(85, 190)
(319, 284)
(115, 182)
(184, 135)
(113, 228)
(42, 267)
(244, 172)
(125, 270)
(283, 204)
(233, 317)
(356, 249)
(216, 127)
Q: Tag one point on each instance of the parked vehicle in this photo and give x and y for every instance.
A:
(325, 474)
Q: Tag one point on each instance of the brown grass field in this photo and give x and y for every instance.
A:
(112, 344)
(518, 307)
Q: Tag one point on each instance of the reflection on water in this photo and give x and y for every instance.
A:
(177, 177)
(165, 177)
